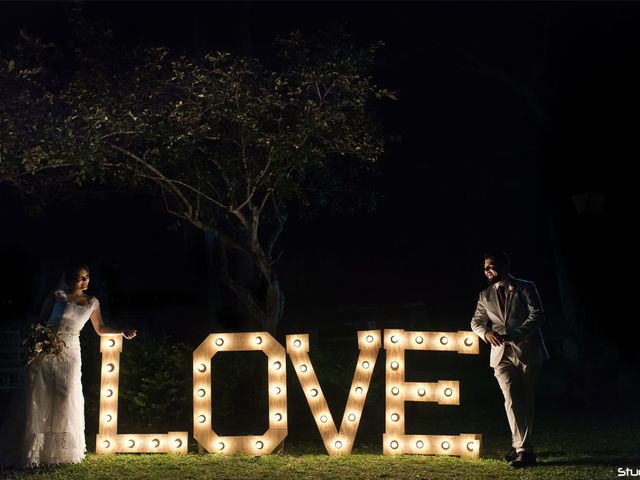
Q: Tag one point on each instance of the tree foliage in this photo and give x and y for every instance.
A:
(230, 143)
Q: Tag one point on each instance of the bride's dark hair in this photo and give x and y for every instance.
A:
(71, 269)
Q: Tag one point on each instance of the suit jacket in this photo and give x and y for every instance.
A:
(521, 324)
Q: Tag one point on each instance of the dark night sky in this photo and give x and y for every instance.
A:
(517, 105)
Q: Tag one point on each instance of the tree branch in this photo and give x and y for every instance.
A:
(280, 221)
(160, 175)
(227, 182)
(256, 184)
(115, 134)
(7, 178)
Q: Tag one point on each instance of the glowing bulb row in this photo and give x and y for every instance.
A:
(448, 391)
(130, 443)
(257, 340)
(468, 340)
(259, 445)
(110, 348)
(444, 445)
(202, 368)
(203, 418)
(324, 418)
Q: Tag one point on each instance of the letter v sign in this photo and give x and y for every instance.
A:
(336, 442)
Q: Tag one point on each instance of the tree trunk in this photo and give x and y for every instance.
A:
(264, 308)
(213, 280)
(275, 306)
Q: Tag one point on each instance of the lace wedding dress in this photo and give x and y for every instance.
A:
(54, 417)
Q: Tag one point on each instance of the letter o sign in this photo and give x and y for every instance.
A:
(203, 429)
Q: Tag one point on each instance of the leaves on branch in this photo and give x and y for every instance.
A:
(229, 143)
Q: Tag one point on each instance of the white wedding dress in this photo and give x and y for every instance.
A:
(54, 423)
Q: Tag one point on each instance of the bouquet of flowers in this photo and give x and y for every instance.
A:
(42, 340)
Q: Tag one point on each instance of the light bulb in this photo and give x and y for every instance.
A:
(314, 392)
(131, 443)
(369, 338)
(259, 445)
(448, 392)
(444, 340)
(278, 417)
(394, 339)
(106, 444)
(202, 368)
(419, 444)
(419, 340)
(111, 342)
(393, 444)
(201, 392)
(155, 443)
(297, 343)
(338, 444)
(220, 445)
(468, 341)
(178, 442)
(277, 365)
(201, 418)
(471, 446)
(110, 367)
(277, 390)
(108, 393)
(352, 417)
(359, 390)
(303, 368)
(395, 365)
(258, 342)
(219, 342)
(445, 445)
(365, 364)
(108, 418)
(422, 392)
(395, 417)
(395, 390)
(323, 418)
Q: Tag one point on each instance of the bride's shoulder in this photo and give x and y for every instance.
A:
(59, 294)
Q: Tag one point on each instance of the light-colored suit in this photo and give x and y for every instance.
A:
(521, 324)
(517, 361)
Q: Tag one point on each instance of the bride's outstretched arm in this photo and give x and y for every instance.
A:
(102, 329)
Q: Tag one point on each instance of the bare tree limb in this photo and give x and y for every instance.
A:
(160, 175)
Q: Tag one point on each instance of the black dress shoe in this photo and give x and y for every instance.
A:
(511, 456)
(524, 459)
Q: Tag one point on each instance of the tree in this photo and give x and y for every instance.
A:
(231, 144)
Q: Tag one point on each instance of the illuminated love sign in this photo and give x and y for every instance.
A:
(336, 441)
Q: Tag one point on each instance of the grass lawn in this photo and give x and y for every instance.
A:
(571, 444)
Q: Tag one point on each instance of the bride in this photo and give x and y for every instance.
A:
(54, 423)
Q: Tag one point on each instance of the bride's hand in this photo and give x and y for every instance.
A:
(129, 334)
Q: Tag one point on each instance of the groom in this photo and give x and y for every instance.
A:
(513, 307)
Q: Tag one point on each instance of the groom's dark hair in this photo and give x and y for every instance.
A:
(500, 260)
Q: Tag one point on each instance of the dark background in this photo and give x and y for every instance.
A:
(506, 112)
